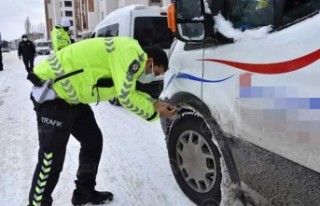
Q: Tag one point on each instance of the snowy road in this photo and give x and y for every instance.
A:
(134, 164)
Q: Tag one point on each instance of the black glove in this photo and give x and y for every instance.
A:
(36, 81)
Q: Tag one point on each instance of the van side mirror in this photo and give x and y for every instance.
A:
(186, 19)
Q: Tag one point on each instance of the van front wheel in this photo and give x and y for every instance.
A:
(195, 160)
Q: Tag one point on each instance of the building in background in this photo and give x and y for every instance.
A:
(122, 3)
(105, 8)
(84, 15)
(55, 10)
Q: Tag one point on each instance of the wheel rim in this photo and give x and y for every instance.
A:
(196, 161)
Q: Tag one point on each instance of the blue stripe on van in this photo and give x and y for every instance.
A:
(198, 79)
(181, 75)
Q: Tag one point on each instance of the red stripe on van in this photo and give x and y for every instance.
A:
(273, 68)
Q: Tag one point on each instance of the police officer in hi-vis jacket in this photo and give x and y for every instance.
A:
(59, 35)
(86, 72)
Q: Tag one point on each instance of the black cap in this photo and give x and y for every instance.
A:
(24, 36)
(159, 56)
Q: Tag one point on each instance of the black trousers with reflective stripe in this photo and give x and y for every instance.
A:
(56, 121)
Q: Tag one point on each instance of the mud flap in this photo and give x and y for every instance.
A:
(224, 145)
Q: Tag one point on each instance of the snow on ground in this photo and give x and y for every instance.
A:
(134, 164)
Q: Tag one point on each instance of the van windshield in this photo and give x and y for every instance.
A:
(151, 31)
(256, 13)
(252, 13)
(43, 44)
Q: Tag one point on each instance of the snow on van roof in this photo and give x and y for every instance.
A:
(130, 8)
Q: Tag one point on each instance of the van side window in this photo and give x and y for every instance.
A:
(297, 9)
(246, 14)
(152, 31)
(108, 31)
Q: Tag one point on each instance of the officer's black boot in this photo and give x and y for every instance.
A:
(81, 197)
(85, 192)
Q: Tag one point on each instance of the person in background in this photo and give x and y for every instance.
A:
(27, 52)
(1, 65)
(65, 83)
(59, 35)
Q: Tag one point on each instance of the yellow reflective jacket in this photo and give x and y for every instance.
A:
(60, 38)
(119, 59)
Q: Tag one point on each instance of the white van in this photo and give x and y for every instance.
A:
(43, 47)
(148, 25)
(247, 92)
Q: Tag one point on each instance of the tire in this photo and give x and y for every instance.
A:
(202, 186)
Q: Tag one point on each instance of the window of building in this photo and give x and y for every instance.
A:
(155, 1)
(90, 5)
(102, 16)
(68, 13)
(71, 22)
(68, 3)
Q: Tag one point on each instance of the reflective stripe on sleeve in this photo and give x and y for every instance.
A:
(66, 85)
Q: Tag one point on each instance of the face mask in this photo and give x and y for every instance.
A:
(24, 39)
(147, 78)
